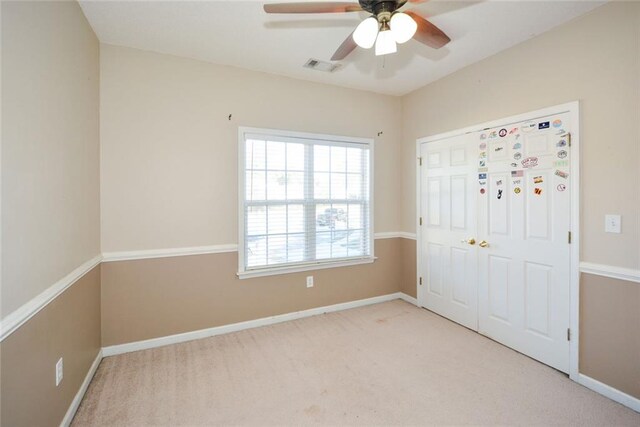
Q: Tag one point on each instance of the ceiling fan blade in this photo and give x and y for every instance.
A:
(347, 46)
(428, 33)
(317, 7)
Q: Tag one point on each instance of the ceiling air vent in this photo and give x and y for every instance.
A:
(316, 64)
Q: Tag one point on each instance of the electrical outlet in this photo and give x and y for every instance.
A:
(59, 372)
(309, 281)
(612, 223)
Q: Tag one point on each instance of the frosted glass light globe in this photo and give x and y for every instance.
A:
(403, 27)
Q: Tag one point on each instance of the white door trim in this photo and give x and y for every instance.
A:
(573, 108)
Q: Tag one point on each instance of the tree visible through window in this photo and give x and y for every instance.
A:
(306, 200)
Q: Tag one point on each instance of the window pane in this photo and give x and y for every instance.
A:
(338, 186)
(276, 185)
(281, 226)
(277, 220)
(339, 244)
(324, 218)
(276, 155)
(338, 159)
(322, 185)
(323, 245)
(321, 158)
(296, 246)
(356, 243)
(256, 251)
(354, 186)
(295, 157)
(296, 219)
(256, 220)
(339, 215)
(295, 185)
(254, 154)
(277, 249)
(355, 216)
(255, 185)
(354, 160)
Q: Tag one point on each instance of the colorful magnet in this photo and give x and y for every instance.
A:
(543, 125)
(517, 190)
(514, 165)
(560, 163)
(528, 126)
(502, 133)
(483, 155)
(482, 191)
(516, 173)
(512, 131)
(557, 123)
(530, 162)
(537, 191)
(562, 154)
(562, 174)
(499, 194)
(562, 143)
(561, 187)
(517, 156)
(517, 181)
(517, 146)
(483, 136)
(482, 182)
(493, 134)
(538, 180)
(483, 170)
(483, 145)
(482, 176)
(483, 163)
(498, 149)
(499, 182)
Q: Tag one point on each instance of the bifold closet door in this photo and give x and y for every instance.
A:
(524, 220)
(449, 252)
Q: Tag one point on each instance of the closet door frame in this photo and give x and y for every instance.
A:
(573, 108)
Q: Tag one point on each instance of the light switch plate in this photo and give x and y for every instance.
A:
(612, 223)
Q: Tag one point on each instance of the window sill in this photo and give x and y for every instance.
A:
(303, 267)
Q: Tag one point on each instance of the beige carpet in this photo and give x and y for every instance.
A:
(385, 364)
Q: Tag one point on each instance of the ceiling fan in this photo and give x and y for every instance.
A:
(385, 28)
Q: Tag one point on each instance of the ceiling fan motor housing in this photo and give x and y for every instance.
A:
(377, 7)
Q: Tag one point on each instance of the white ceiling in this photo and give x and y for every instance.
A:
(239, 33)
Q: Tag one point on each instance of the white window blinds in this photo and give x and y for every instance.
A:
(306, 200)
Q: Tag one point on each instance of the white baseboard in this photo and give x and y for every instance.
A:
(71, 412)
(409, 299)
(234, 327)
(610, 392)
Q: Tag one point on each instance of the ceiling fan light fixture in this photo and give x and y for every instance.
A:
(366, 33)
(385, 43)
(403, 27)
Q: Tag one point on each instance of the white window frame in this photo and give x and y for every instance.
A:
(244, 273)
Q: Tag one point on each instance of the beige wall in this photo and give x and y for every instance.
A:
(69, 327)
(50, 154)
(152, 298)
(610, 332)
(50, 205)
(169, 152)
(594, 59)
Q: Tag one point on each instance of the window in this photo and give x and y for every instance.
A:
(305, 201)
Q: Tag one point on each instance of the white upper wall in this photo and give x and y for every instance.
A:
(50, 154)
(169, 151)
